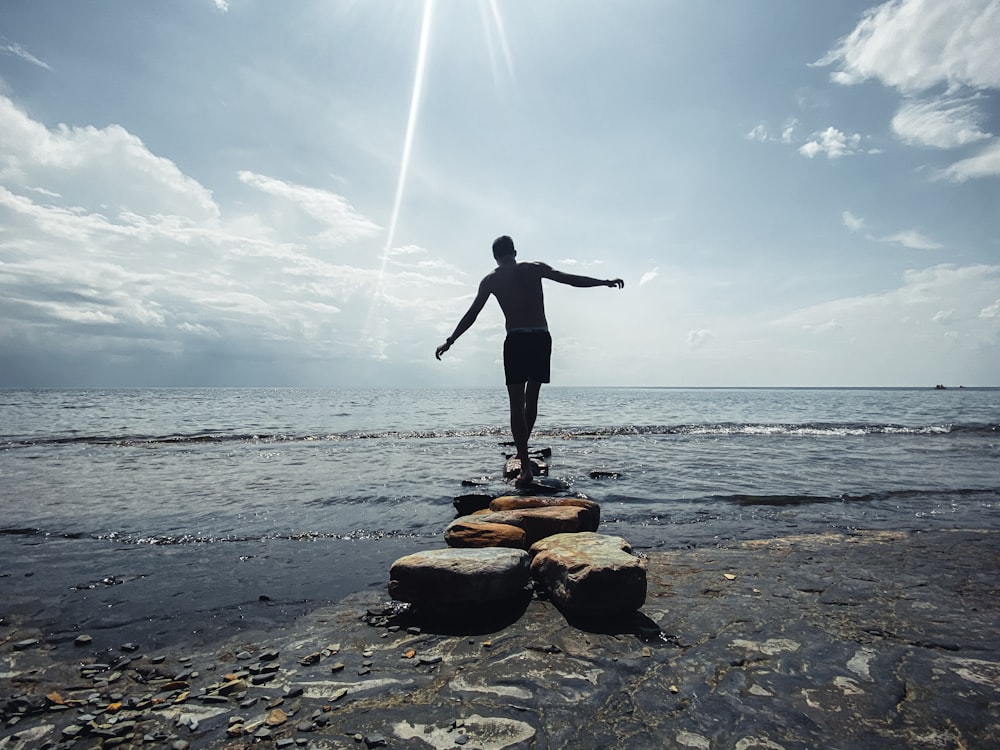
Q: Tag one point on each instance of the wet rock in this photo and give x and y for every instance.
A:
(513, 467)
(590, 575)
(83, 640)
(465, 533)
(517, 502)
(459, 575)
(537, 523)
(468, 504)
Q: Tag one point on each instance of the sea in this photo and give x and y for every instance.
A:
(184, 513)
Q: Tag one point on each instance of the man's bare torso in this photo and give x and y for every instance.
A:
(518, 289)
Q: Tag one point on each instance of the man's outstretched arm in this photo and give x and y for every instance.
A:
(573, 279)
(467, 320)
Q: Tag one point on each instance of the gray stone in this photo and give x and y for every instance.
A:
(590, 575)
(459, 575)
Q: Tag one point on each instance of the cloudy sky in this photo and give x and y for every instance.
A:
(242, 192)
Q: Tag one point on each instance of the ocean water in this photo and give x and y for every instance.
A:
(208, 500)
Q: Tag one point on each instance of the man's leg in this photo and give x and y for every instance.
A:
(519, 429)
(531, 405)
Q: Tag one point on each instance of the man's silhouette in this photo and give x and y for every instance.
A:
(528, 346)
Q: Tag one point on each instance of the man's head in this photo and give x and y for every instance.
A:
(503, 246)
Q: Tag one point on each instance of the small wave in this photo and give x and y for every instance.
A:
(722, 429)
(893, 496)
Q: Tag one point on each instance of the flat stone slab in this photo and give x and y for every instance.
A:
(459, 575)
(464, 532)
(537, 523)
(519, 502)
(590, 575)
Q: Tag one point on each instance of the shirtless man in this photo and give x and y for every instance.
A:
(528, 347)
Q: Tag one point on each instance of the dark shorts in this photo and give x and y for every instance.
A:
(526, 356)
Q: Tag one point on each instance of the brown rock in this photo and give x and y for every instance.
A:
(590, 575)
(517, 502)
(465, 533)
(537, 523)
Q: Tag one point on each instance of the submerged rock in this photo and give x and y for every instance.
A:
(590, 575)
(459, 575)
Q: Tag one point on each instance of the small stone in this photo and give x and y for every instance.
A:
(263, 733)
(310, 659)
(461, 739)
(304, 726)
(276, 718)
(284, 742)
(338, 694)
(26, 644)
(295, 692)
(339, 666)
(180, 745)
(430, 660)
(367, 652)
(269, 654)
(244, 656)
(130, 647)
(83, 640)
(373, 740)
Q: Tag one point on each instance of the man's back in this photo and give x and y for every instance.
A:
(518, 289)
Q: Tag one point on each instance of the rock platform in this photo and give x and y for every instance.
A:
(862, 640)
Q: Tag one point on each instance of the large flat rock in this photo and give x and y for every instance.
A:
(520, 502)
(537, 523)
(466, 532)
(459, 575)
(590, 575)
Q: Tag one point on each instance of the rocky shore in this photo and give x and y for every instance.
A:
(862, 640)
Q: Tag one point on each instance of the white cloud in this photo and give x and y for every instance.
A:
(913, 45)
(788, 134)
(698, 337)
(852, 222)
(649, 276)
(941, 123)
(912, 239)
(984, 164)
(222, 5)
(325, 207)
(991, 311)
(15, 49)
(832, 142)
(758, 133)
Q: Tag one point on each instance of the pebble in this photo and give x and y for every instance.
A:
(374, 740)
(26, 643)
(83, 640)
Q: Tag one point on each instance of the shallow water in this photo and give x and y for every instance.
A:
(195, 492)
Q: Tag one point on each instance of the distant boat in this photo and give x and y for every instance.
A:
(939, 387)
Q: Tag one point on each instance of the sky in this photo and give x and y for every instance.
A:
(252, 193)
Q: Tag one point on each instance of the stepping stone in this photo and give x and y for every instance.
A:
(518, 502)
(537, 523)
(513, 467)
(589, 575)
(463, 532)
(459, 576)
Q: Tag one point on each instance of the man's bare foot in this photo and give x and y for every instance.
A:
(525, 478)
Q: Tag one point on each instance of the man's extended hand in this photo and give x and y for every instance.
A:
(443, 348)
(615, 283)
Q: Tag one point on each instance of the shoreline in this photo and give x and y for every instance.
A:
(865, 639)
